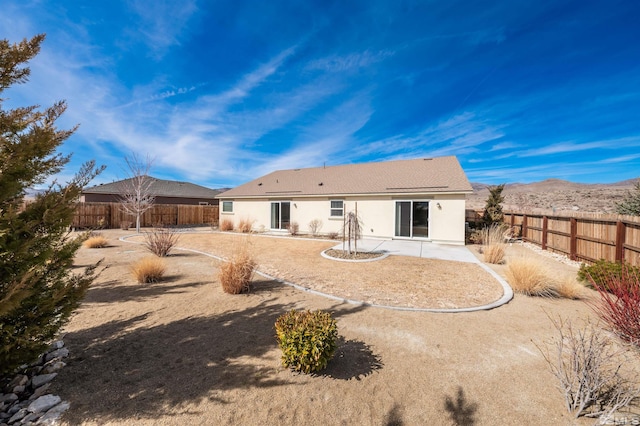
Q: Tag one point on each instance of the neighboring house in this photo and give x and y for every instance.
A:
(165, 192)
(417, 199)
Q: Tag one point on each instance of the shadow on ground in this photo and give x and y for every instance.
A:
(352, 359)
(124, 369)
(461, 411)
(114, 291)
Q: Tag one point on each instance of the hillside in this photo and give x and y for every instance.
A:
(555, 194)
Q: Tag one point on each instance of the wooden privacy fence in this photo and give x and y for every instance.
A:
(582, 237)
(110, 215)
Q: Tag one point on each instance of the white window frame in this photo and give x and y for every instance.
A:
(224, 210)
(336, 209)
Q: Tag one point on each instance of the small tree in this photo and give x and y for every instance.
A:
(136, 196)
(38, 291)
(631, 203)
(493, 207)
(351, 231)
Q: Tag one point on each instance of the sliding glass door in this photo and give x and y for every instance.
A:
(280, 214)
(412, 219)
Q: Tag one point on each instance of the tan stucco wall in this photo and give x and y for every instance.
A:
(377, 215)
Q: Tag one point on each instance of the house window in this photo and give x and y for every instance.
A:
(227, 207)
(337, 208)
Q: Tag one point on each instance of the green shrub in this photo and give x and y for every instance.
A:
(307, 339)
(602, 271)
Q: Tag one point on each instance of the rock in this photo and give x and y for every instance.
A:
(31, 418)
(9, 397)
(44, 403)
(58, 353)
(37, 381)
(58, 344)
(42, 390)
(52, 416)
(19, 380)
(19, 389)
(21, 414)
(53, 367)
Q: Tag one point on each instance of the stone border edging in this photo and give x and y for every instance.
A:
(507, 294)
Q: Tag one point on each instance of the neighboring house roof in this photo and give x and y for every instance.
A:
(422, 175)
(158, 188)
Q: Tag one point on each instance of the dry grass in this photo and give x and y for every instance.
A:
(527, 276)
(244, 226)
(494, 254)
(235, 274)
(493, 239)
(226, 225)
(96, 241)
(569, 288)
(148, 270)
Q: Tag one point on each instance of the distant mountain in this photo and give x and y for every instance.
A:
(556, 195)
(30, 194)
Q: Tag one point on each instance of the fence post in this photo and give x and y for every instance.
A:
(545, 224)
(573, 244)
(620, 240)
(524, 227)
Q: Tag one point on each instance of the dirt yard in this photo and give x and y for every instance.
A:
(183, 352)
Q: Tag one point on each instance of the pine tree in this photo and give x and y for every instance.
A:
(493, 207)
(631, 203)
(38, 290)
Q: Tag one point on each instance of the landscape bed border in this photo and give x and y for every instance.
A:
(507, 291)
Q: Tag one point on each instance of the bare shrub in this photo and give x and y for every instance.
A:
(526, 276)
(235, 274)
(160, 241)
(125, 225)
(619, 302)
(294, 228)
(589, 367)
(226, 225)
(148, 270)
(315, 226)
(244, 226)
(96, 241)
(333, 235)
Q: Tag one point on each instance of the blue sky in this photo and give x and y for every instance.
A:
(221, 92)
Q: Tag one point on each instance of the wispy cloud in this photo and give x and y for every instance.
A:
(162, 22)
(564, 147)
(350, 62)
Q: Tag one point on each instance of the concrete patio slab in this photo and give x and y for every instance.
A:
(415, 248)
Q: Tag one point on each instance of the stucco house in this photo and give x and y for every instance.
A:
(164, 191)
(422, 199)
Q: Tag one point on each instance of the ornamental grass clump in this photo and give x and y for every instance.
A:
(307, 339)
(493, 241)
(235, 274)
(226, 225)
(244, 226)
(148, 270)
(96, 241)
(526, 276)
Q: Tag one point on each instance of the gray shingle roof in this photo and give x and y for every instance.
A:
(159, 188)
(422, 175)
